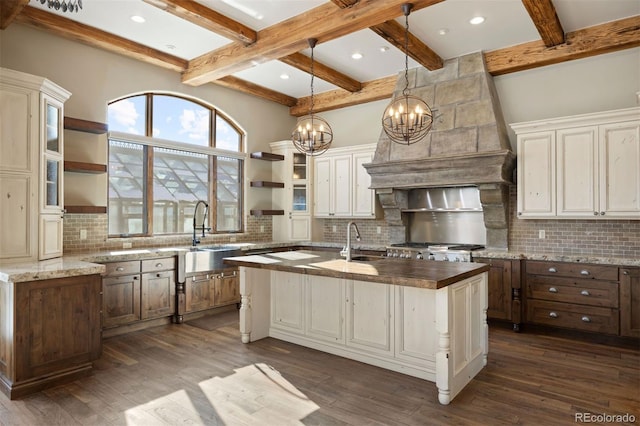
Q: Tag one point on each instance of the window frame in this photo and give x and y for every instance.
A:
(148, 143)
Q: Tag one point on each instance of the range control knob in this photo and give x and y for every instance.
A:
(419, 256)
(431, 257)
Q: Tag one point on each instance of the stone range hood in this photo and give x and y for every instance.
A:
(467, 146)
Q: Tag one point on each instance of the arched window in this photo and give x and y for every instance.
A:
(166, 152)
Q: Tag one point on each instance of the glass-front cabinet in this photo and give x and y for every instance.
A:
(51, 191)
(295, 173)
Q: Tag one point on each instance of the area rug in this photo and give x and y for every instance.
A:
(212, 322)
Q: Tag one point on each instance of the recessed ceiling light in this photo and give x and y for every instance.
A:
(284, 76)
(356, 56)
(137, 18)
(244, 9)
(171, 46)
(384, 49)
(476, 20)
(443, 31)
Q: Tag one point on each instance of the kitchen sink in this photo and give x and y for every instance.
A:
(365, 258)
(204, 259)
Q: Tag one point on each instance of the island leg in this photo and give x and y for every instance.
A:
(255, 303)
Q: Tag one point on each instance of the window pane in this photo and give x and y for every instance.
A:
(180, 179)
(227, 137)
(229, 194)
(128, 115)
(126, 189)
(181, 120)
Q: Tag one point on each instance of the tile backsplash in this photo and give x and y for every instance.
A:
(258, 229)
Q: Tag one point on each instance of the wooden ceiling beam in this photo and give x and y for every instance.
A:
(544, 16)
(596, 40)
(9, 9)
(394, 33)
(204, 17)
(244, 86)
(373, 90)
(290, 36)
(303, 63)
(73, 30)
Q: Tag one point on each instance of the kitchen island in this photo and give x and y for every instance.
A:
(425, 319)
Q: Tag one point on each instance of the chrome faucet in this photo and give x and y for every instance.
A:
(204, 221)
(347, 250)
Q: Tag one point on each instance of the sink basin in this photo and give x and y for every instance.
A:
(204, 259)
(365, 258)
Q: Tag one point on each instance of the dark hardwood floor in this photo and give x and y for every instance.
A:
(180, 374)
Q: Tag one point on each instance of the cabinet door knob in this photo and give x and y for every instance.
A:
(625, 272)
(135, 278)
(584, 272)
(553, 270)
(585, 319)
(158, 275)
(119, 269)
(158, 265)
(553, 315)
(595, 213)
(553, 290)
(585, 293)
(601, 213)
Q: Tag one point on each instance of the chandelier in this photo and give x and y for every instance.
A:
(65, 5)
(312, 134)
(408, 118)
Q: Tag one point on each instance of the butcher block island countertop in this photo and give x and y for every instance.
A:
(426, 319)
(403, 272)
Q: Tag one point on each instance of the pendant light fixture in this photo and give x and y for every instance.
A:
(408, 118)
(64, 5)
(312, 134)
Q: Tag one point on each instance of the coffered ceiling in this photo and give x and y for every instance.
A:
(252, 45)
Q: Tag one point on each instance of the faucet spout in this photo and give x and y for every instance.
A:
(348, 247)
(195, 240)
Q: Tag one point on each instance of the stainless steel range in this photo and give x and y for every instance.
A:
(433, 251)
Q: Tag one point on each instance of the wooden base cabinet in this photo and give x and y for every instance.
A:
(138, 290)
(573, 295)
(630, 302)
(505, 301)
(50, 332)
(211, 290)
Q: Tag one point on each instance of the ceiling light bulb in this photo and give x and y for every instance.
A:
(137, 18)
(356, 55)
(476, 20)
(443, 31)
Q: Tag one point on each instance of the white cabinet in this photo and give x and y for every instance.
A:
(586, 166)
(341, 183)
(293, 199)
(287, 301)
(369, 316)
(325, 309)
(31, 159)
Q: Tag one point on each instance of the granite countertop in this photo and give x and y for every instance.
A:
(405, 272)
(48, 269)
(558, 257)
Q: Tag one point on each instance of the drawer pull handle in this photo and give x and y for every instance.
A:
(119, 269)
(553, 270)
(586, 319)
(585, 293)
(553, 290)
(584, 272)
(158, 265)
(553, 315)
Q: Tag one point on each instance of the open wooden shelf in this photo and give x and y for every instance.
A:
(85, 209)
(85, 126)
(264, 212)
(80, 167)
(267, 156)
(266, 184)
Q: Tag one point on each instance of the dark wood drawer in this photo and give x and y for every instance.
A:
(579, 317)
(122, 268)
(571, 290)
(162, 264)
(575, 270)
